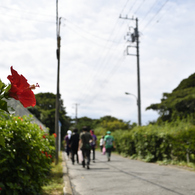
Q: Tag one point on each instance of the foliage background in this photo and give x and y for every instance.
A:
(180, 103)
(45, 112)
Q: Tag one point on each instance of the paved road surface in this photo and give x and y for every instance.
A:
(123, 176)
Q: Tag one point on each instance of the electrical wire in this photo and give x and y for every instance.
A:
(124, 7)
(107, 59)
(132, 6)
(154, 15)
(89, 33)
(139, 7)
(100, 64)
(87, 38)
(101, 69)
(89, 99)
(158, 20)
(153, 5)
(103, 84)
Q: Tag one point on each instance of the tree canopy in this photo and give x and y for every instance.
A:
(45, 112)
(180, 103)
(106, 123)
(85, 121)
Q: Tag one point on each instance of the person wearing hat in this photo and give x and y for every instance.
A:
(109, 144)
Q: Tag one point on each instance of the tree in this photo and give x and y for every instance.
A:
(106, 123)
(111, 123)
(45, 112)
(85, 121)
(180, 103)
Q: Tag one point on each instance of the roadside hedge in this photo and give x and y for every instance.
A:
(25, 156)
(171, 141)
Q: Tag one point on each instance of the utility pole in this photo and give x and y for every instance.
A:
(58, 22)
(135, 38)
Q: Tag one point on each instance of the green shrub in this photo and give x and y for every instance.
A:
(25, 158)
(171, 141)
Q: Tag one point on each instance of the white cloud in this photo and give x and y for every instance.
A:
(94, 72)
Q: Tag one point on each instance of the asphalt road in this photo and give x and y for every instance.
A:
(123, 176)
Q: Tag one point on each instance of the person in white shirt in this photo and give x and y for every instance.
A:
(101, 143)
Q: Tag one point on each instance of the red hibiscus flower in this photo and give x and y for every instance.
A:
(21, 90)
(54, 134)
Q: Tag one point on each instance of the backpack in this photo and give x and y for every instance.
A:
(93, 141)
(86, 139)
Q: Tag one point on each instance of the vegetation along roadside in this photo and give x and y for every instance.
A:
(56, 182)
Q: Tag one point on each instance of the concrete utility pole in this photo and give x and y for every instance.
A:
(58, 22)
(135, 38)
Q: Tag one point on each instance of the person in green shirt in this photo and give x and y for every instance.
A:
(109, 144)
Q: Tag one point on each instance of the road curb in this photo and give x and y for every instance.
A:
(67, 190)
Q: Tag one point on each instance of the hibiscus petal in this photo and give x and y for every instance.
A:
(27, 98)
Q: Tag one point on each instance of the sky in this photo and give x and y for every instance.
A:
(95, 70)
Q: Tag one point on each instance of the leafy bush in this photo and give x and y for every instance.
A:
(25, 158)
(171, 141)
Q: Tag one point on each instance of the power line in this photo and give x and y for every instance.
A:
(158, 20)
(102, 62)
(100, 71)
(132, 6)
(155, 15)
(139, 7)
(124, 7)
(106, 60)
(111, 73)
(87, 32)
(149, 11)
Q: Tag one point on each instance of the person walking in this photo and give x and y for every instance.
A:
(74, 143)
(109, 144)
(84, 145)
(93, 143)
(101, 143)
(67, 142)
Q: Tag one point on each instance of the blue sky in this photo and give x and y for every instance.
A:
(95, 73)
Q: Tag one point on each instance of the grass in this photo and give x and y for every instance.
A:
(56, 182)
(179, 164)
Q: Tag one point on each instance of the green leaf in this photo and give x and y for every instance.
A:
(2, 85)
(3, 105)
(2, 141)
